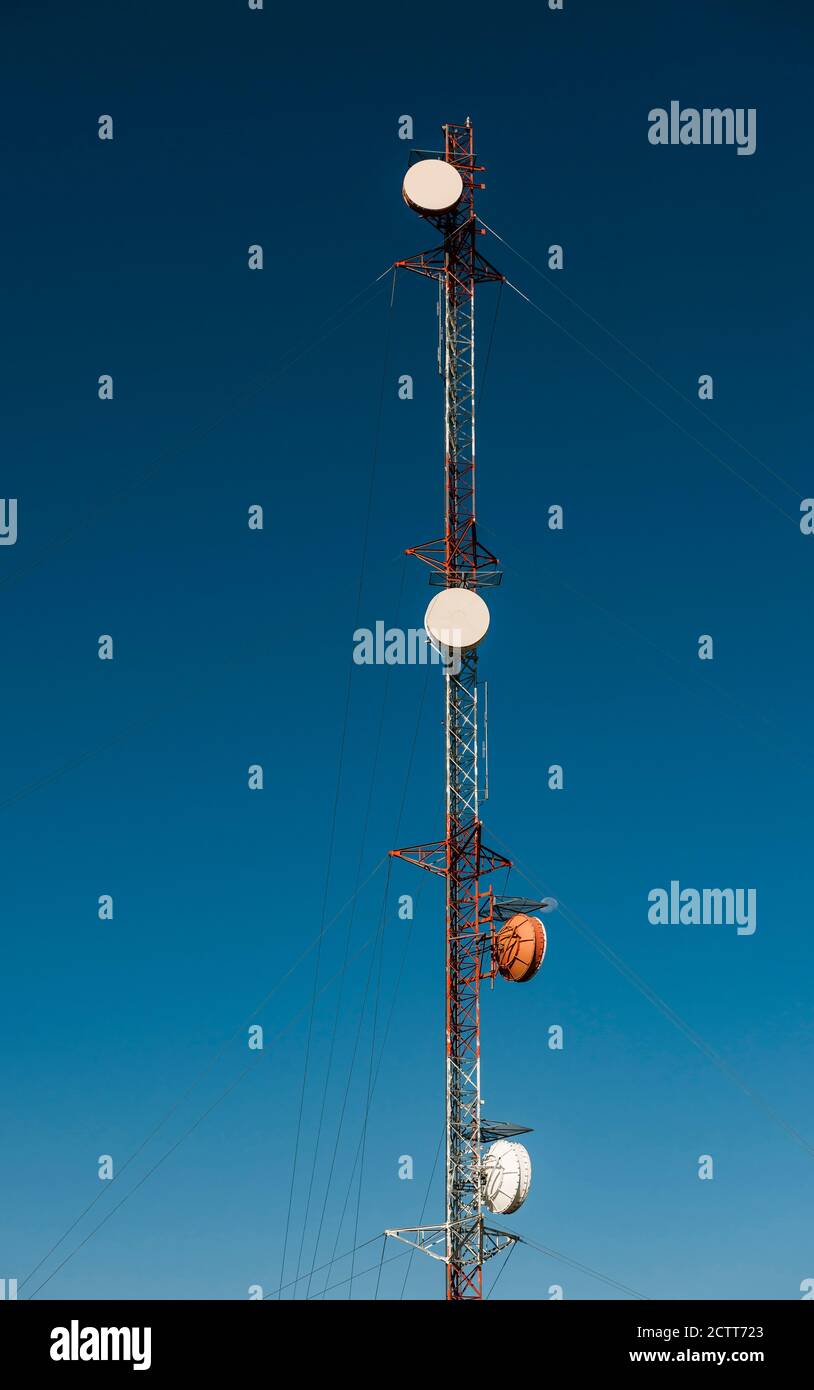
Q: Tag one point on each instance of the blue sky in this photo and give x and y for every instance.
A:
(234, 647)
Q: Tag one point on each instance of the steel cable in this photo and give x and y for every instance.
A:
(360, 587)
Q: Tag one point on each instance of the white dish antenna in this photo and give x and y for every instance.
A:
(432, 186)
(505, 1177)
(456, 619)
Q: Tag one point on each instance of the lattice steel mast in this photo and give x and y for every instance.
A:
(458, 561)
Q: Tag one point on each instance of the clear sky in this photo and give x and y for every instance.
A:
(233, 647)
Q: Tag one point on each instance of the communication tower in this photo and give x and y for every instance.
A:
(486, 935)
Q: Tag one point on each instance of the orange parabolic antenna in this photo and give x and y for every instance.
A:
(520, 947)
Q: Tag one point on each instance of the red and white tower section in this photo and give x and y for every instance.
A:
(486, 935)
